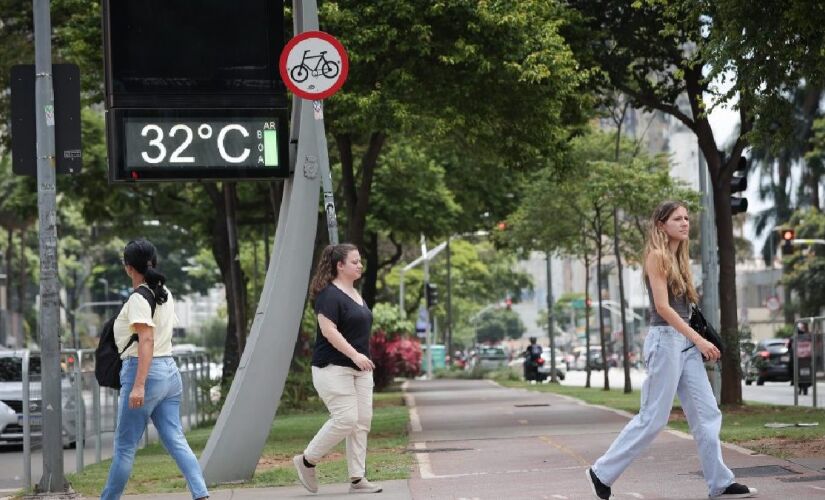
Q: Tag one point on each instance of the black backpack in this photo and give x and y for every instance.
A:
(107, 356)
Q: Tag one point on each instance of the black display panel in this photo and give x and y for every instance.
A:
(189, 144)
(157, 48)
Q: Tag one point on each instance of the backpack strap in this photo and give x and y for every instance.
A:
(149, 295)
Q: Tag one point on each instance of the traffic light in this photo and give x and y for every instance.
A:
(431, 293)
(788, 236)
(738, 184)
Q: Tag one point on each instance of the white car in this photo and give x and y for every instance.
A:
(11, 401)
(544, 368)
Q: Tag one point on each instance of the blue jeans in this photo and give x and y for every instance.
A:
(671, 371)
(162, 405)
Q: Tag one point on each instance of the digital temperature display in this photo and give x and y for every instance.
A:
(168, 144)
(211, 144)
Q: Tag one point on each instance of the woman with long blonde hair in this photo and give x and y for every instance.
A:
(673, 355)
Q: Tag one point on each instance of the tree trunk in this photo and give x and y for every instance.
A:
(625, 348)
(238, 289)
(370, 278)
(601, 310)
(720, 176)
(357, 190)
(587, 318)
(731, 377)
(221, 252)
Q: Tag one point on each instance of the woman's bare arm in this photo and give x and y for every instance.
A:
(330, 331)
(658, 285)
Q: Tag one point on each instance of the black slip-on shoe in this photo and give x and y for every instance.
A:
(600, 490)
(736, 490)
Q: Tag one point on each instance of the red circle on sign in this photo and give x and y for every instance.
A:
(285, 74)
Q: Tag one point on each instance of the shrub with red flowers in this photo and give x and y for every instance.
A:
(394, 355)
(393, 349)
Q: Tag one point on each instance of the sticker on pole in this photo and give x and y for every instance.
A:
(314, 65)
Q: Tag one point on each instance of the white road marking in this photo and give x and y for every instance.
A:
(424, 467)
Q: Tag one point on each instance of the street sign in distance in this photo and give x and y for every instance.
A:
(314, 65)
(188, 144)
(773, 304)
(67, 137)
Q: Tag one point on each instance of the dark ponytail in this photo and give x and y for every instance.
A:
(327, 268)
(143, 257)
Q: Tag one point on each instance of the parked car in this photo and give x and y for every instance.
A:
(770, 362)
(491, 358)
(596, 359)
(11, 396)
(544, 368)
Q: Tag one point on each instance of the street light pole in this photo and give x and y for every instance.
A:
(550, 326)
(53, 480)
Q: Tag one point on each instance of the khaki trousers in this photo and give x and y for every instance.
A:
(347, 393)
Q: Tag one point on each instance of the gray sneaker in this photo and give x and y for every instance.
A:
(364, 486)
(305, 474)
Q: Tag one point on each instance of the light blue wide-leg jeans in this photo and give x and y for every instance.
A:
(670, 370)
(162, 405)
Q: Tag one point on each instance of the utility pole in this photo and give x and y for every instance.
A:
(550, 323)
(429, 312)
(53, 480)
(449, 332)
(710, 265)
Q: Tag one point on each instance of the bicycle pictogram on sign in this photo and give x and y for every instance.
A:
(328, 69)
(314, 65)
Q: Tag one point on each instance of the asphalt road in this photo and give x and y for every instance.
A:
(780, 393)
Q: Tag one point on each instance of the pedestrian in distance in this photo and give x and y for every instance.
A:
(673, 354)
(150, 381)
(532, 360)
(341, 367)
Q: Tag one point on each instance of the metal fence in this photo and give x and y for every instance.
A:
(89, 412)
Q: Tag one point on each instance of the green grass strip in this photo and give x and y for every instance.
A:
(155, 471)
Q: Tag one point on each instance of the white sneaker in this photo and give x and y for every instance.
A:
(305, 474)
(364, 486)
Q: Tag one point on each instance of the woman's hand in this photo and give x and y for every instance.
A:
(362, 362)
(708, 350)
(136, 397)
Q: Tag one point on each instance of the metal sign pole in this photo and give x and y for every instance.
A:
(236, 443)
(53, 479)
(326, 174)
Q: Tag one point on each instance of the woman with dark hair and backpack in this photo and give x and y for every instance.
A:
(673, 354)
(341, 367)
(150, 382)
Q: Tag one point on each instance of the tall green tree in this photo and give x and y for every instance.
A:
(656, 51)
(494, 80)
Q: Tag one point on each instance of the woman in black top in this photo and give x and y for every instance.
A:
(341, 367)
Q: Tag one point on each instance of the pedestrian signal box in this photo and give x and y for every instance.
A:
(193, 90)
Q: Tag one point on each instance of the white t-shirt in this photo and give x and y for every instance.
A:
(137, 310)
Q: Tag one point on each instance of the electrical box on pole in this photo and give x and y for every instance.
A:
(193, 90)
(66, 83)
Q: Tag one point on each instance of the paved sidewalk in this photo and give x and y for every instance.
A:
(393, 490)
(475, 440)
(478, 440)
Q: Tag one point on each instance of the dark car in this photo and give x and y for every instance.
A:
(770, 362)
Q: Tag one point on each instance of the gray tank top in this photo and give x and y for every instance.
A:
(679, 304)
